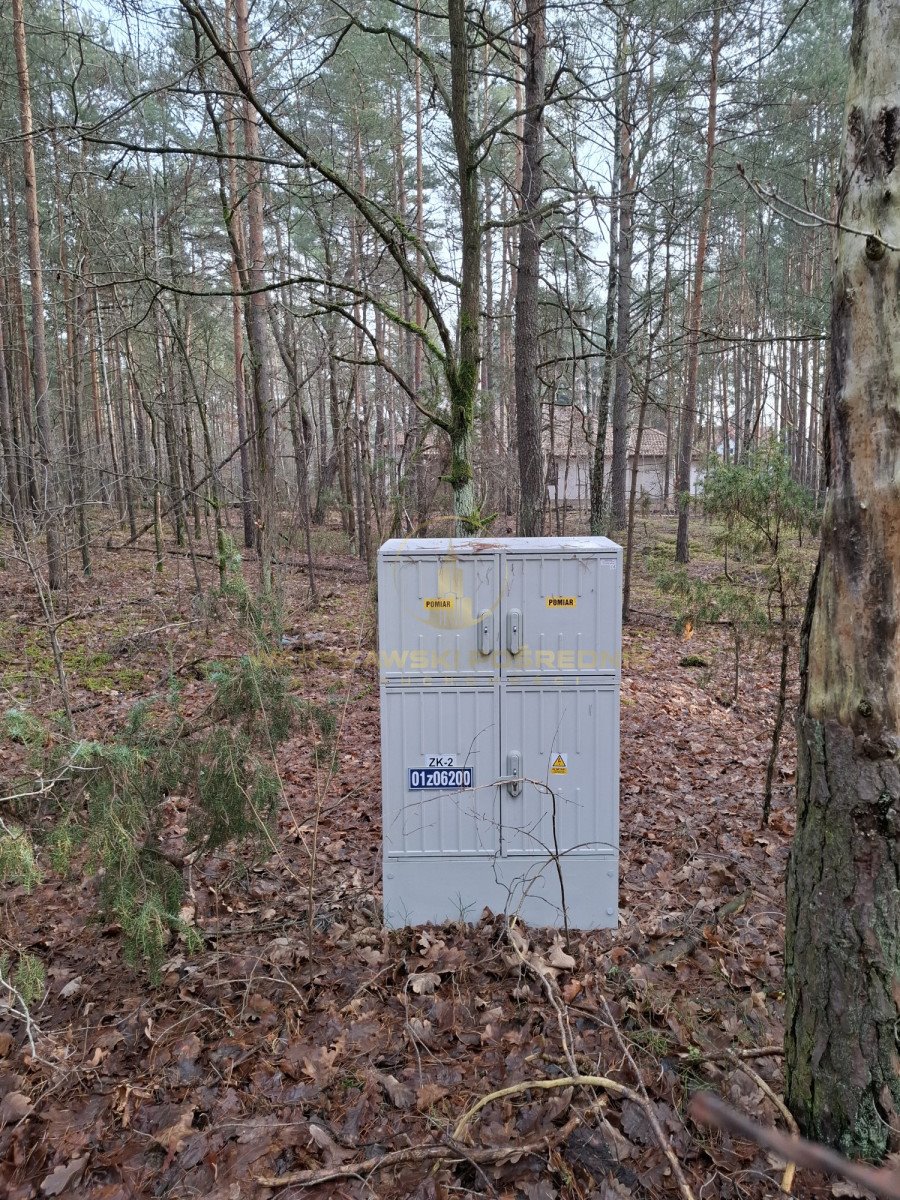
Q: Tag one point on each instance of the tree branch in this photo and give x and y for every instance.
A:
(707, 1108)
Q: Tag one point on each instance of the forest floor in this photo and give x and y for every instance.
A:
(287, 1045)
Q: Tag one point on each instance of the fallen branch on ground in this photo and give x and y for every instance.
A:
(528, 1085)
(719, 1055)
(535, 964)
(591, 1081)
(689, 943)
(787, 1179)
(417, 1154)
(14, 1003)
(706, 1108)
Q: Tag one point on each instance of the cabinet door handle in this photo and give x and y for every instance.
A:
(514, 631)
(485, 634)
(514, 770)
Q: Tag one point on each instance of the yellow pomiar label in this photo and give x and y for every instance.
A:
(438, 603)
(562, 601)
(559, 766)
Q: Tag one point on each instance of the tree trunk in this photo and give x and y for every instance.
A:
(299, 425)
(19, 368)
(256, 308)
(462, 374)
(695, 317)
(79, 324)
(47, 484)
(419, 427)
(240, 405)
(642, 415)
(8, 445)
(843, 920)
(612, 278)
(528, 386)
(622, 389)
(229, 192)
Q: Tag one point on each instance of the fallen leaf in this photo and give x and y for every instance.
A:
(398, 1094)
(334, 1154)
(14, 1107)
(318, 1064)
(559, 958)
(428, 1095)
(424, 983)
(63, 1175)
(537, 1189)
(172, 1136)
(611, 1189)
(518, 941)
(572, 990)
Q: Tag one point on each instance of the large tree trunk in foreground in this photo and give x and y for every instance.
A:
(843, 930)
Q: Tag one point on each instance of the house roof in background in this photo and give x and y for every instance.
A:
(570, 439)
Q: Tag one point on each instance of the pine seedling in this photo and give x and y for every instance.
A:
(111, 796)
(17, 860)
(22, 983)
(25, 729)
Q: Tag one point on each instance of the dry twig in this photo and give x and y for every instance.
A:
(417, 1154)
(719, 1055)
(533, 963)
(787, 1179)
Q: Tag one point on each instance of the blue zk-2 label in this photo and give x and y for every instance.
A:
(437, 775)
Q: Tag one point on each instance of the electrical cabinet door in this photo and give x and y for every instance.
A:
(439, 616)
(563, 740)
(439, 771)
(499, 673)
(561, 614)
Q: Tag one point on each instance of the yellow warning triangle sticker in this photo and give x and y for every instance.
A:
(559, 766)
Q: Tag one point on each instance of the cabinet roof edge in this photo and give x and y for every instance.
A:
(489, 545)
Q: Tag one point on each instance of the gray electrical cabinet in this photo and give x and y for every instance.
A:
(500, 664)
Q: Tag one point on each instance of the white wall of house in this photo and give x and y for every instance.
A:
(573, 479)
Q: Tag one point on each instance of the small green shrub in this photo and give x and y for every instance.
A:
(762, 516)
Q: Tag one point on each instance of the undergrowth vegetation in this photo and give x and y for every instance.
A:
(264, 987)
(110, 806)
(757, 583)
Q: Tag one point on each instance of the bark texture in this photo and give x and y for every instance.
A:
(528, 384)
(843, 933)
